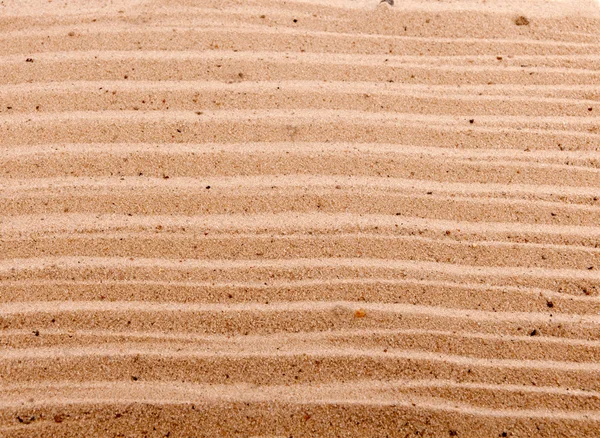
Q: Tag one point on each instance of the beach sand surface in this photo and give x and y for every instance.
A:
(299, 218)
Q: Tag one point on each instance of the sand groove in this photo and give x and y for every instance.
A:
(299, 219)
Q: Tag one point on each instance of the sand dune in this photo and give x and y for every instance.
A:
(305, 218)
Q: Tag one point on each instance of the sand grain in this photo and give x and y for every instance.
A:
(306, 218)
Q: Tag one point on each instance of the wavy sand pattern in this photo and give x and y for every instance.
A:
(300, 218)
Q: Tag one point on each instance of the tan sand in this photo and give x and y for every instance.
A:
(299, 218)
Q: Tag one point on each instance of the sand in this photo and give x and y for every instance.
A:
(299, 218)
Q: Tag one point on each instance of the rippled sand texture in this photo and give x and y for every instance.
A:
(272, 218)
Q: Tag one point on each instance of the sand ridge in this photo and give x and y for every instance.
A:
(300, 218)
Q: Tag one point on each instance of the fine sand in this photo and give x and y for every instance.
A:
(299, 218)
